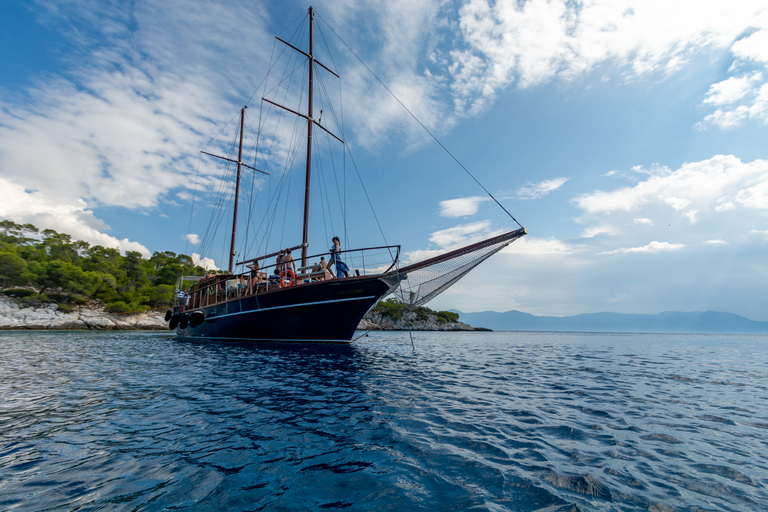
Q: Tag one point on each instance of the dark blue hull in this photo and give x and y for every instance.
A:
(324, 311)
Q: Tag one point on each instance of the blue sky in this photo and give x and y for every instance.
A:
(628, 137)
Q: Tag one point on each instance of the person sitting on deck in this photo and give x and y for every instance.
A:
(324, 269)
(242, 284)
(335, 258)
(254, 278)
(279, 262)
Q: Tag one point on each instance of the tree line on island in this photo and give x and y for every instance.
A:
(72, 272)
(47, 267)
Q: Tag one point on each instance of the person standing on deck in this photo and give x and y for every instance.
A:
(336, 259)
(288, 262)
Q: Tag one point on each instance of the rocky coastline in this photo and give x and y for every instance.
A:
(88, 317)
(375, 321)
(93, 317)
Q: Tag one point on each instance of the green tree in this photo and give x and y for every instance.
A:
(71, 278)
(13, 269)
(158, 295)
(132, 267)
(72, 270)
(17, 234)
(59, 246)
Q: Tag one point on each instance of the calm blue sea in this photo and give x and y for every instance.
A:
(465, 421)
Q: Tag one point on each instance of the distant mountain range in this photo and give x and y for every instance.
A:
(667, 322)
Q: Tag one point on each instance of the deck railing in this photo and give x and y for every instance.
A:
(218, 288)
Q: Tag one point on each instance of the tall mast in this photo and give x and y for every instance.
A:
(237, 193)
(240, 165)
(310, 122)
(305, 236)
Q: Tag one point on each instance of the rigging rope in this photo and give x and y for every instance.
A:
(420, 123)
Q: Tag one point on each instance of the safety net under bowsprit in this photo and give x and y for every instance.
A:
(417, 284)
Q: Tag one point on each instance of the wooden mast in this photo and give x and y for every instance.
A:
(310, 122)
(305, 235)
(240, 165)
(237, 192)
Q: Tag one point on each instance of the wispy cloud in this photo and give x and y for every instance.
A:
(731, 90)
(462, 206)
(603, 229)
(453, 238)
(122, 125)
(461, 235)
(706, 200)
(530, 43)
(532, 246)
(539, 190)
(743, 97)
(652, 247)
(703, 185)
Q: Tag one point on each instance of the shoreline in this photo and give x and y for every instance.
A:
(90, 318)
(82, 318)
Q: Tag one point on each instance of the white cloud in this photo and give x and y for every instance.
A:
(726, 119)
(531, 246)
(463, 234)
(677, 203)
(74, 219)
(755, 196)
(539, 190)
(720, 198)
(754, 47)
(715, 242)
(191, 238)
(744, 97)
(206, 263)
(453, 238)
(706, 185)
(125, 129)
(123, 125)
(533, 42)
(461, 207)
(119, 139)
(731, 90)
(652, 247)
(724, 206)
(603, 229)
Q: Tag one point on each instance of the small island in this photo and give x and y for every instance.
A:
(392, 315)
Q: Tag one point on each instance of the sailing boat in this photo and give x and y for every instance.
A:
(274, 302)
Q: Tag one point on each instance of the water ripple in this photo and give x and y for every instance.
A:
(488, 421)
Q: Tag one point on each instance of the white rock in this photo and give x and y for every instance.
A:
(48, 317)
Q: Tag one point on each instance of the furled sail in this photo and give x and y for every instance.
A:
(417, 284)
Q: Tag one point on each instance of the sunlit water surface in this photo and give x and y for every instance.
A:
(482, 421)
